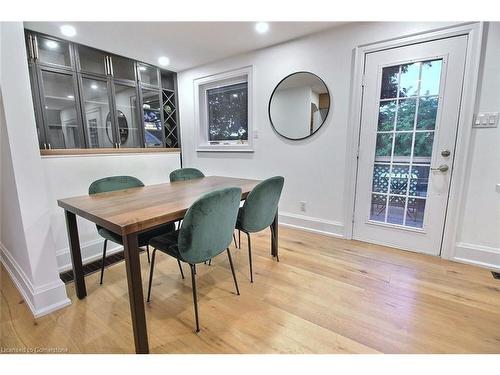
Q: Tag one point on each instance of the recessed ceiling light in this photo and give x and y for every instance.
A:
(51, 44)
(94, 86)
(71, 97)
(68, 30)
(163, 61)
(262, 27)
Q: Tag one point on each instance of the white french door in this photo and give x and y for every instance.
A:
(410, 109)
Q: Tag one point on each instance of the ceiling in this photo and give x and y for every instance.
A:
(186, 44)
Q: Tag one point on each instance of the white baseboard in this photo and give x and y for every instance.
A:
(42, 299)
(482, 256)
(312, 224)
(91, 251)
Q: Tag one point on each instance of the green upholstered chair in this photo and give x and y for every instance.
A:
(259, 210)
(205, 232)
(185, 174)
(121, 183)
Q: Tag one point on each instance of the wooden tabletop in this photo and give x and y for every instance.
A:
(137, 209)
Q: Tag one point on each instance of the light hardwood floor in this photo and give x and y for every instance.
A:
(326, 295)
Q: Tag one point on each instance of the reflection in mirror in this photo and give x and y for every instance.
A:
(299, 105)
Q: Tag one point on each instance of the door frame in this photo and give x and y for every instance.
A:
(474, 31)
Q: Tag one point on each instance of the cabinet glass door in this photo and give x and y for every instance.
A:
(60, 110)
(148, 74)
(52, 51)
(96, 112)
(151, 111)
(129, 131)
(92, 60)
(122, 68)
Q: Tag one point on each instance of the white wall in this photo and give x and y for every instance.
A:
(314, 169)
(71, 176)
(30, 258)
(480, 236)
(33, 229)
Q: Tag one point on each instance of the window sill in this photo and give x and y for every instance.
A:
(224, 148)
(105, 151)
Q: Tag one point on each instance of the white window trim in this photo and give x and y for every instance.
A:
(201, 85)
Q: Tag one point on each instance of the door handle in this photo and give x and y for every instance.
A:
(441, 168)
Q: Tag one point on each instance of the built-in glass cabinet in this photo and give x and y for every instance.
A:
(88, 98)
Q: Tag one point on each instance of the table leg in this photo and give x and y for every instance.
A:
(76, 255)
(136, 298)
(274, 243)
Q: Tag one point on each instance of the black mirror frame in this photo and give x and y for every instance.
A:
(271, 98)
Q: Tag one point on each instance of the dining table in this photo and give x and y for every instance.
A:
(132, 211)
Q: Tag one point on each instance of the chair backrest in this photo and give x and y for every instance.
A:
(208, 226)
(260, 207)
(185, 174)
(114, 183)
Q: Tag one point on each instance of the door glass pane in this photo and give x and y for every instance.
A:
(91, 60)
(423, 145)
(386, 115)
(148, 74)
(402, 146)
(381, 178)
(431, 76)
(419, 179)
(415, 212)
(151, 108)
(61, 111)
(406, 114)
(390, 77)
(408, 84)
(427, 111)
(396, 209)
(403, 153)
(384, 147)
(53, 51)
(399, 179)
(123, 68)
(378, 207)
(96, 109)
(126, 106)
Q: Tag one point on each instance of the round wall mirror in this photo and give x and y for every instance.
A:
(299, 105)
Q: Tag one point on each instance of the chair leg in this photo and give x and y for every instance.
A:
(235, 243)
(239, 239)
(250, 256)
(210, 262)
(232, 270)
(273, 239)
(151, 274)
(147, 252)
(195, 299)
(180, 268)
(103, 259)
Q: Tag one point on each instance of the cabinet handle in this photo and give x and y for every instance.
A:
(30, 46)
(110, 65)
(35, 47)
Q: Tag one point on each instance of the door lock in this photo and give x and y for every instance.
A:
(445, 153)
(441, 168)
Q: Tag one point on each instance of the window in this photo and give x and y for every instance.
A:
(228, 113)
(224, 111)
